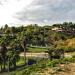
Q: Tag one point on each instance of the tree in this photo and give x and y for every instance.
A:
(3, 54)
(24, 43)
(13, 57)
(6, 26)
(1, 60)
(13, 54)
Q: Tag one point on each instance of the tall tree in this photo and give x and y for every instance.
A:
(0, 60)
(3, 54)
(24, 44)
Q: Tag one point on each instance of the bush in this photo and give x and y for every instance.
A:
(42, 64)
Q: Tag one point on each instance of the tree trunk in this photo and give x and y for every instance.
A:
(8, 64)
(25, 55)
(1, 67)
(14, 63)
(3, 64)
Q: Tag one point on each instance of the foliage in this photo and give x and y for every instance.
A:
(43, 64)
(37, 35)
(34, 35)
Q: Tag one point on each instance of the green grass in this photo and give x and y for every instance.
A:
(39, 66)
(37, 49)
(21, 61)
(43, 64)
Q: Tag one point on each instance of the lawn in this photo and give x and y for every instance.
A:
(47, 67)
(37, 49)
(44, 66)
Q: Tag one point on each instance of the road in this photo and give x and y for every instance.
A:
(42, 55)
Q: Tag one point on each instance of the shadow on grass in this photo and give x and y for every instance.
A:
(18, 68)
(12, 69)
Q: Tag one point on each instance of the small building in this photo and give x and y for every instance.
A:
(57, 29)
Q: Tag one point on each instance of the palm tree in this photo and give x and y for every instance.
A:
(24, 43)
(9, 55)
(0, 62)
(13, 54)
(13, 57)
(3, 54)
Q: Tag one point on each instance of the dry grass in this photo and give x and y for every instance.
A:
(66, 69)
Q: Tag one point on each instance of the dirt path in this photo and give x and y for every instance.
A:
(42, 55)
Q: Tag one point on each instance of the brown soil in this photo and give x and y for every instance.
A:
(68, 69)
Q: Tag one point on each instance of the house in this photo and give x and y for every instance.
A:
(57, 29)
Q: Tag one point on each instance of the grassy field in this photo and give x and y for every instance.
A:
(45, 67)
(37, 49)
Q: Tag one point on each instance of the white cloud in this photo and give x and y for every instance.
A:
(48, 11)
(9, 7)
(36, 11)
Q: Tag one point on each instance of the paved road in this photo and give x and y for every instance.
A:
(42, 55)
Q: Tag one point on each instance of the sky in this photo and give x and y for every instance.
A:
(16, 12)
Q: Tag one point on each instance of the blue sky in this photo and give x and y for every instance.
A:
(36, 11)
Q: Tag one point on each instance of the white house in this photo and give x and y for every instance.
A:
(57, 29)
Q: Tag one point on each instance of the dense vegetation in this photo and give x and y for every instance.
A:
(38, 36)
(34, 38)
(44, 64)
